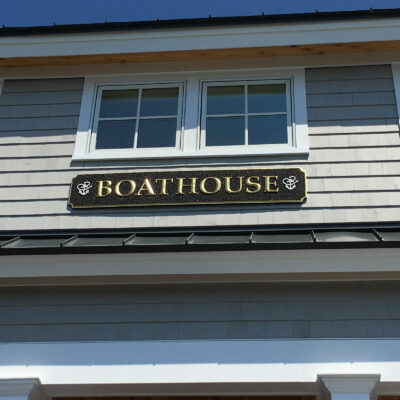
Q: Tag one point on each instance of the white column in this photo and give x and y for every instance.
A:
(22, 389)
(349, 387)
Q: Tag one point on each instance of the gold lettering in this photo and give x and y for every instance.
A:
(147, 187)
(164, 184)
(270, 181)
(192, 185)
(218, 185)
(250, 182)
(103, 186)
(117, 188)
(228, 188)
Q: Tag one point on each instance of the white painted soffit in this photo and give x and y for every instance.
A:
(285, 34)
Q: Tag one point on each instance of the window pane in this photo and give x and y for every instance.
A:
(159, 102)
(266, 98)
(227, 131)
(115, 134)
(268, 130)
(225, 100)
(157, 133)
(118, 103)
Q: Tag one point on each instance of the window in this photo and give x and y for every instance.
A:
(209, 114)
(137, 117)
(246, 114)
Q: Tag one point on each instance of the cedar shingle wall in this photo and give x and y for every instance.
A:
(353, 166)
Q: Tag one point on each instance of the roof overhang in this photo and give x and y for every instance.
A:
(202, 42)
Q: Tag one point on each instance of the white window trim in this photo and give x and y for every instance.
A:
(191, 116)
(396, 83)
(144, 151)
(204, 116)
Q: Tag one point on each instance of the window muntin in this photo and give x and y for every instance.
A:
(137, 117)
(246, 113)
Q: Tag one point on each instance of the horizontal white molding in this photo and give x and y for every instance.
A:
(309, 264)
(201, 38)
(250, 362)
(204, 153)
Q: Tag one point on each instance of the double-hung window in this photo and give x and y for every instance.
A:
(193, 114)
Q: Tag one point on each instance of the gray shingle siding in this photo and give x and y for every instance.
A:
(353, 167)
(201, 311)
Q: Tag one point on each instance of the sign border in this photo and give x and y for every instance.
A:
(194, 202)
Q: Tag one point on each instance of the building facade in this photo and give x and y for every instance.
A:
(201, 208)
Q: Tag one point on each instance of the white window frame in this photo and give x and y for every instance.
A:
(268, 147)
(189, 145)
(144, 151)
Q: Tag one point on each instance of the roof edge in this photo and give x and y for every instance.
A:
(200, 22)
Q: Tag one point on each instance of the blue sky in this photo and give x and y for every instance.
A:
(46, 12)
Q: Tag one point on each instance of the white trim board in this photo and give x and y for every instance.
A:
(181, 39)
(63, 367)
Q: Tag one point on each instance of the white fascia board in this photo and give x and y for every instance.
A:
(198, 362)
(206, 266)
(201, 38)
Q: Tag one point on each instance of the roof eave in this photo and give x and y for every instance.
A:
(199, 22)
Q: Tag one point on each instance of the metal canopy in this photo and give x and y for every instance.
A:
(92, 241)
(389, 236)
(219, 238)
(261, 237)
(156, 240)
(345, 236)
(199, 239)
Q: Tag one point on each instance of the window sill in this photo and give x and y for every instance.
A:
(278, 150)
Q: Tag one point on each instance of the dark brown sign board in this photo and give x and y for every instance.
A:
(163, 188)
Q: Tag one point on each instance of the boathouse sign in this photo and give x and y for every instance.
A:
(129, 189)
